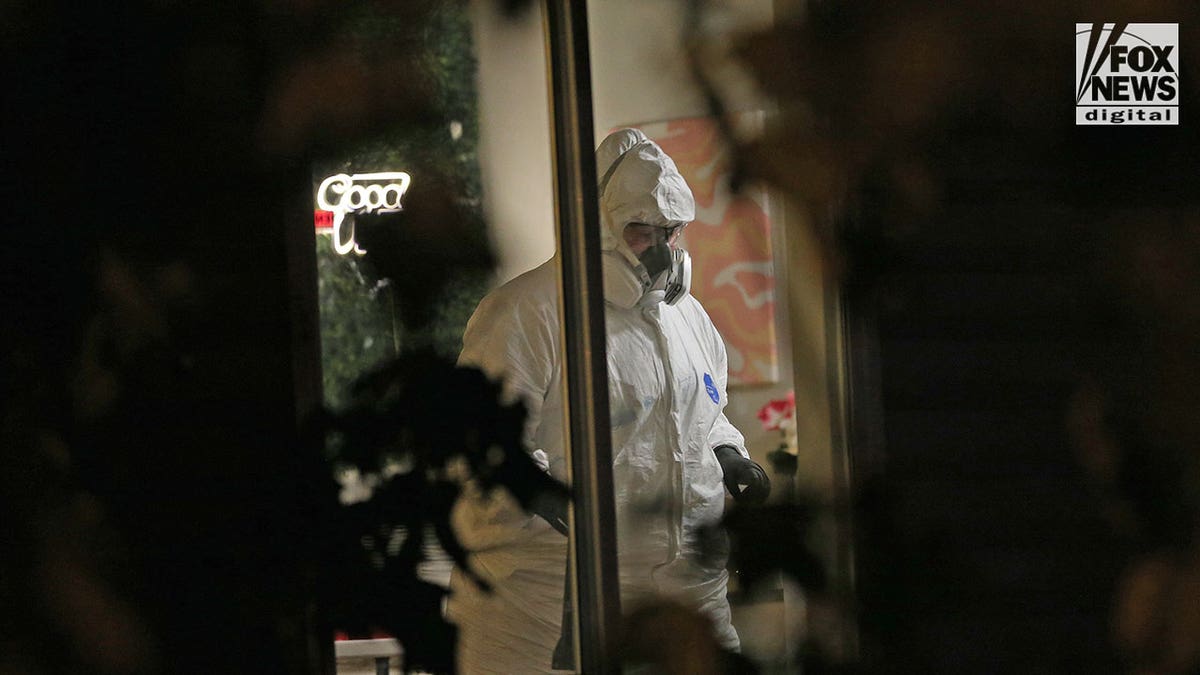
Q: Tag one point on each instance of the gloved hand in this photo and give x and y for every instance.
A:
(744, 478)
(550, 504)
(553, 508)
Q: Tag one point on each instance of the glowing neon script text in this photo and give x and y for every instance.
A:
(341, 194)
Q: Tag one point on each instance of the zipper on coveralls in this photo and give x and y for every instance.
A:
(675, 503)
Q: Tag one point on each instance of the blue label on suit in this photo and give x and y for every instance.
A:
(711, 389)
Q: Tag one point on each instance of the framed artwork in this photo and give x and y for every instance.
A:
(733, 270)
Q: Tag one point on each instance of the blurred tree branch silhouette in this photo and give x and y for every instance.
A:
(165, 512)
(894, 118)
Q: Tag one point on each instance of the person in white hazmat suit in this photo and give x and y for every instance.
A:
(674, 452)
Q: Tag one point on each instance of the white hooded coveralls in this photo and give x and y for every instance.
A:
(667, 380)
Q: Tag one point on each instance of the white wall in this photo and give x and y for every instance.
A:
(514, 136)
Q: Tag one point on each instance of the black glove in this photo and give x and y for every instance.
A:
(744, 478)
(553, 508)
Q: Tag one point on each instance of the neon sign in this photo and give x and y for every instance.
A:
(341, 194)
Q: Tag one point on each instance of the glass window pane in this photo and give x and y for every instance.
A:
(698, 332)
(701, 381)
(416, 222)
(516, 334)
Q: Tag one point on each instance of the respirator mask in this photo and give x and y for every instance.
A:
(669, 268)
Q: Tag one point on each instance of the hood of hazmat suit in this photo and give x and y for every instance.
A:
(667, 371)
(639, 183)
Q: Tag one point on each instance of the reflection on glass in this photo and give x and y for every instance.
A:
(403, 259)
(358, 330)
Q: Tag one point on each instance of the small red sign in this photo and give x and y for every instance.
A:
(323, 219)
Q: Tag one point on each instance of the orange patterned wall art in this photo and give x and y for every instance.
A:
(733, 270)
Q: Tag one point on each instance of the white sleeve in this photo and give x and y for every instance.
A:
(506, 340)
(513, 340)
